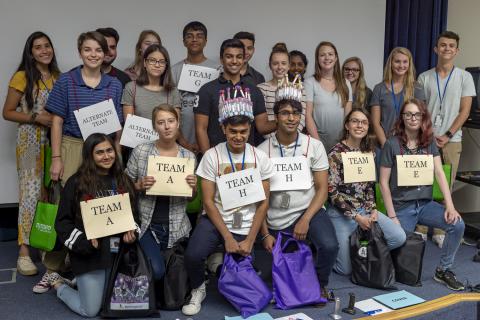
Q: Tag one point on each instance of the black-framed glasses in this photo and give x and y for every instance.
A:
(353, 70)
(152, 62)
(287, 114)
(356, 122)
(410, 115)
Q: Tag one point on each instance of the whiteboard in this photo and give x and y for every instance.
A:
(355, 27)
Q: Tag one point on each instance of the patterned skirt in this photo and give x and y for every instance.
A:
(31, 141)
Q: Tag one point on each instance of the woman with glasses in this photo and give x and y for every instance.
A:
(354, 73)
(353, 204)
(398, 85)
(145, 40)
(329, 97)
(408, 204)
(154, 86)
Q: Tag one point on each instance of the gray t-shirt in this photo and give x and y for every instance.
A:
(189, 100)
(402, 195)
(382, 97)
(144, 100)
(328, 112)
(460, 85)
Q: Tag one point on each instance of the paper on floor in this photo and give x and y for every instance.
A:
(370, 304)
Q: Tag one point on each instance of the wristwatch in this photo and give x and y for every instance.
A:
(449, 134)
(33, 117)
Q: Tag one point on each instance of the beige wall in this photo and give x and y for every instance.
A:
(463, 19)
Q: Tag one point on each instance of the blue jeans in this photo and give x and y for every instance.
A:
(153, 242)
(322, 235)
(87, 300)
(344, 226)
(431, 213)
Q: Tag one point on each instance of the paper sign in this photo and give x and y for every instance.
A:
(370, 305)
(107, 216)
(240, 188)
(193, 77)
(398, 299)
(296, 316)
(415, 170)
(291, 173)
(258, 316)
(358, 167)
(98, 118)
(170, 174)
(137, 130)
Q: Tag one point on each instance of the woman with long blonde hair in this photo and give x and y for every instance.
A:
(353, 72)
(145, 40)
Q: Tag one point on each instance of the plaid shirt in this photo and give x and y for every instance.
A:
(179, 225)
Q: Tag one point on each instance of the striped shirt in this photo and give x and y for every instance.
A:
(179, 226)
(71, 93)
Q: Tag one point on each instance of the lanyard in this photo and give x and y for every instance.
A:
(231, 161)
(46, 87)
(394, 98)
(294, 150)
(442, 96)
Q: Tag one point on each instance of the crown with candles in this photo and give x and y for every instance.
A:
(289, 89)
(236, 103)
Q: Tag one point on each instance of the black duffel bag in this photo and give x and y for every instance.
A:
(408, 260)
(372, 264)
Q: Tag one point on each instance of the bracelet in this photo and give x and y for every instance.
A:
(394, 217)
(33, 117)
(265, 236)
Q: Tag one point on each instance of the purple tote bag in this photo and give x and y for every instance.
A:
(295, 281)
(242, 287)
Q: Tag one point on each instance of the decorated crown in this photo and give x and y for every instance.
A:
(233, 104)
(289, 89)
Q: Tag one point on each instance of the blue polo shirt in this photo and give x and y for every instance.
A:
(71, 93)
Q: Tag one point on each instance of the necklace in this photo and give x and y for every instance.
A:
(328, 79)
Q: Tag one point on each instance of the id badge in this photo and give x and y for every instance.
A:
(438, 121)
(285, 201)
(237, 220)
(114, 244)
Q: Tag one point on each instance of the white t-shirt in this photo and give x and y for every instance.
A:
(211, 166)
(460, 85)
(279, 218)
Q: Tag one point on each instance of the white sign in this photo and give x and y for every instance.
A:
(170, 174)
(291, 173)
(415, 170)
(358, 167)
(240, 188)
(137, 130)
(193, 77)
(98, 118)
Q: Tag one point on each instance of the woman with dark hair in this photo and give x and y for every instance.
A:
(298, 63)
(26, 98)
(353, 204)
(100, 175)
(329, 96)
(353, 72)
(145, 40)
(154, 85)
(408, 204)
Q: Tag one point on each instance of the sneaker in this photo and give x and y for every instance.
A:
(214, 261)
(324, 294)
(55, 279)
(438, 239)
(43, 285)
(25, 266)
(448, 278)
(195, 304)
(424, 235)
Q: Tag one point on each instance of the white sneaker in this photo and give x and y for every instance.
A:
(43, 285)
(438, 239)
(25, 266)
(424, 235)
(214, 261)
(195, 304)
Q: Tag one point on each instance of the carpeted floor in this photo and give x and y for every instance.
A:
(17, 301)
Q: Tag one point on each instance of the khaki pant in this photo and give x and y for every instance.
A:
(71, 153)
(55, 260)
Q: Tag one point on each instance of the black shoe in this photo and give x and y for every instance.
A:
(448, 278)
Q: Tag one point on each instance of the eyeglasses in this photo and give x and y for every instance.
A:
(287, 114)
(353, 70)
(356, 122)
(409, 115)
(152, 62)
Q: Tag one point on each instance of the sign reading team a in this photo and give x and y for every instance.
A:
(137, 130)
(98, 118)
(291, 173)
(358, 167)
(240, 188)
(107, 216)
(170, 174)
(415, 170)
(193, 77)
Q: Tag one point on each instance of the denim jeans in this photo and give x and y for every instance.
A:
(322, 235)
(431, 213)
(153, 242)
(344, 226)
(87, 300)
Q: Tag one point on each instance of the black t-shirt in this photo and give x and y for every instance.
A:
(120, 75)
(208, 105)
(161, 212)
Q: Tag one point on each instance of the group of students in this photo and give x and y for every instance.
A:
(330, 113)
